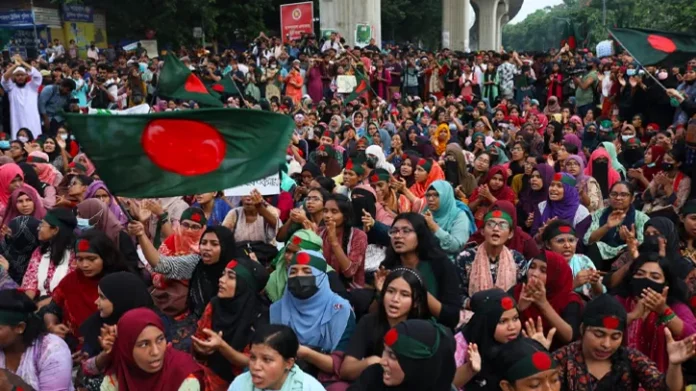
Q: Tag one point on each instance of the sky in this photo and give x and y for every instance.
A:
(529, 6)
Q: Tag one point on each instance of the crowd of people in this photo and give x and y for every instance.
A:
(473, 221)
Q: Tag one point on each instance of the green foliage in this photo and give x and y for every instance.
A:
(543, 29)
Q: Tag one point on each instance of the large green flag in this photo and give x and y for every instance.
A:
(177, 82)
(361, 87)
(183, 152)
(226, 86)
(569, 35)
(651, 47)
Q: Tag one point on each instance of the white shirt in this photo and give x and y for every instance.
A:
(93, 53)
(336, 45)
(24, 104)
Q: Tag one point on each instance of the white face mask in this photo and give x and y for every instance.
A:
(64, 136)
(625, 138)
(23, 139)
(662, 75)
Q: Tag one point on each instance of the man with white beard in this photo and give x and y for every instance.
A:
(23, 92)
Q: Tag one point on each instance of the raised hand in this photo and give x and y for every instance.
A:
(367, 220)
(679, 352)
(209, 345)
(536, 332)
(615, 218)
(654, 301)
(474, 358)
(380, 276)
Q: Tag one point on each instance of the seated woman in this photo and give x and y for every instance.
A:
(588, 187)
(322, 320)
(457, 171)
(548, 294)
(447, 221)
(353, 175)
(494, 188)
(141, 359)
(25, 201)
(603, 241)
(312, 214)
(98, 190)
(111, 305)
(74, 299)
(344, 245)
(480, 168)
(687, 231)
(655, 299)
(47, 192)
(412, 348)
(214, 207)
(668, 190)
(203, 270)
(254, 221)
(560, 238)
(415, 247)
(652, 165)
(58, 157)
(11, 177)
(491, 264)
(51, 262)
(496, 321)
(18, 246)
(563, 203)
(524, 364)
(392, 202)
(77, 189)
(47, 173)
(42, 360)
(425, 173)
(303, 239)
(224, 331)
(402, 296)
(272, 363)
(533, 192)
(599, 358)
(520, 240)
(600, 168)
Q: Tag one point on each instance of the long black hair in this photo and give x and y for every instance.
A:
(106, 249)
(13, 300)
(678, 292)
(419, 302)
(346, 208)
(278, 337)
(63, 241)
(428, 248)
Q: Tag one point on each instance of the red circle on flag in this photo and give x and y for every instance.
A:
(507, 303)
(83, 245)
(196, 217)
(296, 240)
(218, 88)
(661, 43)
(184, 147)
(391, 337)
(232, 264)
(541, 361)
(421, 162)
(375, 178)
(303, 258)
(497, 214)
(610, 322)
(558, 177)
(564, 229)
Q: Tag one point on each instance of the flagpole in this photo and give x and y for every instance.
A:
(636, 60)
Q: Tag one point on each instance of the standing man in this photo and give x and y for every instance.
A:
(21, 81)
(53, 102)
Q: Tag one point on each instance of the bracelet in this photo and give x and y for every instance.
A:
(164, 217)
(666, 319)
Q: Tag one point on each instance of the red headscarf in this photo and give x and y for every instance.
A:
(658, 153)
(559, 288)
(75, 295)
(435, 174)
(177, 365)
(504, 193)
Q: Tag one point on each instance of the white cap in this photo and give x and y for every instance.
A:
(19, 69)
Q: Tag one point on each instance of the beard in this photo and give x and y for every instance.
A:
(22, 84)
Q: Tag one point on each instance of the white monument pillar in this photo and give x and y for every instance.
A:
(455, 24)
(487, 24)
(344, 15)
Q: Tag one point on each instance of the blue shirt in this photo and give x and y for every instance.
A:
(52, 103)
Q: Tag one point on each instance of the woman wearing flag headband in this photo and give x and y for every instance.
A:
(525, 365)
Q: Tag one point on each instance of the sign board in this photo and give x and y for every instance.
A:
(16, 18)
(296, 19)
(326, 33)
(346, 84)
(269, 185)
(150, 45)
(198, 32)
(77, 13)
(363, 34)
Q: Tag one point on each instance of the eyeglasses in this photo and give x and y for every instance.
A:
(192, 227)
(562, 241)
(403, 231)
(313, 198)
(432, 195)
(615, 194)
(503, 225)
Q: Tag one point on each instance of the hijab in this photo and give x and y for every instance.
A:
(305, 239)
(113, 203)
(435, 139)
(101, 218)
(611, 149)
(457, 172)
(363, 197)
(376, 151)
(176, 368)
(563, 209)
(605, 174)
(20, 244)
(84, 160)
(203, 284)
(435, 173)
(504, 193)
(8, 172)
(320, 320)
(47, 172)
(670, 233)
(236, 316)
(580, 179)
(530, 198)
(31, 178)
(113, 287)
(446, 215)
(589, 139)
(658, 153)
(11, 212)
(552, 106)
(411, 179)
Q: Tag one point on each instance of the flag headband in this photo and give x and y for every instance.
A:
(305, 258)
(407, 346)
(244, 274)
(498, 214)
(539, 361)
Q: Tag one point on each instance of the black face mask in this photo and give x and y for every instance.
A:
(632, 156)
(372, 162)
(303, 287)
(638, 284)
(667, 166)
(651, 243)
(600, 167)
(605, 138)
(452, 173)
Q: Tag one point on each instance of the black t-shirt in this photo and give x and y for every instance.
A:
(363, 342)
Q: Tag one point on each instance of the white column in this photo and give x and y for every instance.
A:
(344, 15)
(487, 23)
(455, 34)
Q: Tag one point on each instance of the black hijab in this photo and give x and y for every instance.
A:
(31, 178)
(56, 152)
(204, 280)
(363, 199)
(238, 316)
(669, 231)
(18, 246)
(126, 291)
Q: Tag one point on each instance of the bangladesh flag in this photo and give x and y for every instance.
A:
(182, 152)
(651, 47)
(177, 82)
(226, 86)
(360, 88)
(569, 36)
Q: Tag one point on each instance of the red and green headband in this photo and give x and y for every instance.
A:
(305, 258)
(611, 322)
(328, 133)
(356, 168)
(195, 215)
(36, 159)
(567, 179)
(326, 149)
(84, 246)
(498, 214)
(405, 345)
(380, 175)
(530, 365)
(78, 166)
(425, 164)
(304, 244)
(562, 229)
(245, 274)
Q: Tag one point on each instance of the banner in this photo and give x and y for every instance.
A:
(16, 18)
(269, 185)
(77, 13)
(296, 19)
(363, 34)
(139, 109)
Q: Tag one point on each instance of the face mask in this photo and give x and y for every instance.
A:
(372, 162)
(667, 166)
(273, 66)
(23, 139)
(651, 165)
(630, 72)
(662, 76)
(64, 136)
(605, 137)
(638, 284)
(83, 224)
(626, 138)
(303, 287)
(4, 144)
(607, 73)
